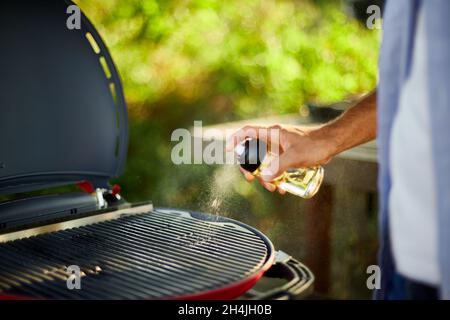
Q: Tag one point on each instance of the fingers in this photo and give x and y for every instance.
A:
(271, 187)
(250, 131)
(276, 166)
(267, 185)
(248, 176)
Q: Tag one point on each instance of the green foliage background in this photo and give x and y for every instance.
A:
(217, 61)
(250, 57)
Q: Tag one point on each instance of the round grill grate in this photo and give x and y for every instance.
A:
(154, 255)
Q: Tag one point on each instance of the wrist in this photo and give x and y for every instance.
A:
(327, 139)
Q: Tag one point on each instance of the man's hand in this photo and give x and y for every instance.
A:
(301, 147)
(298, 148)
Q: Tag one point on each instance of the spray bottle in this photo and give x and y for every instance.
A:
(302, 182)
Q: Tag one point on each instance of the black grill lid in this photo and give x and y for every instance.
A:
(62, 120)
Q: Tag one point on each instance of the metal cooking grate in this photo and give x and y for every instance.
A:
(158, 254)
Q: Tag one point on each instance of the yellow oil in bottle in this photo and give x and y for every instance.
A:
(302, 182)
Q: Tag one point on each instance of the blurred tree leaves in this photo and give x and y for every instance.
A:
(265, 57)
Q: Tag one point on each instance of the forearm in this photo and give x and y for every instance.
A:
(356, 126)
(307, 147)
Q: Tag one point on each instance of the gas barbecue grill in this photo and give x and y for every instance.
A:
(64, 121)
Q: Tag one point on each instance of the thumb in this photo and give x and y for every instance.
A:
(276, 165)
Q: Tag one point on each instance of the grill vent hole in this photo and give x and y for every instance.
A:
(93, 43)
(112, 88)
(105, 67)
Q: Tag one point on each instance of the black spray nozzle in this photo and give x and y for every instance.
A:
(251, 153)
